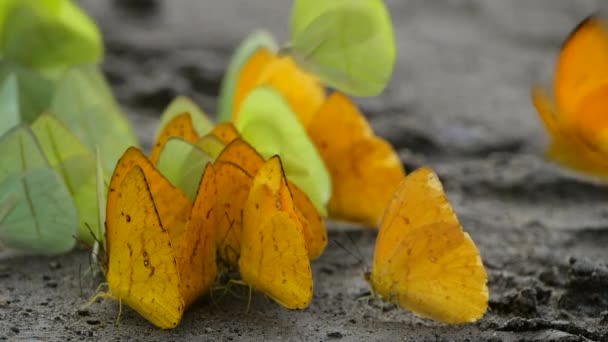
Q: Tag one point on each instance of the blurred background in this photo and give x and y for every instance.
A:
(462, 77)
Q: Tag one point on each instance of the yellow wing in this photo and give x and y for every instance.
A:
(274, 258)
(195, 251)
(172, 204)
(180, 126)
(233, 184)
(142, 270)
(423, 261)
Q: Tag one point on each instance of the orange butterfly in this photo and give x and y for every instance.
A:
(423, 260)
(576, 118)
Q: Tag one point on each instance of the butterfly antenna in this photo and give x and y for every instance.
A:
(347, 250)
(356, 246)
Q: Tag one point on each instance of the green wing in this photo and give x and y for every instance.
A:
(48, 34)
(349, 44)
(183, 164)
(84, 103)
(267, 122)
(75, 163)
(250, 45)
(182, 104)
(39, 215)
(211, 145)
(9, 104)
(34, 92)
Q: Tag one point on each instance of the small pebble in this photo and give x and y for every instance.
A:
(54, 265)
(15, 330)
(93, 321)
(335, 334)
(51, 284)
(83, 313)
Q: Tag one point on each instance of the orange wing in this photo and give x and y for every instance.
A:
(226, 132)
(249, 77)
(195, 251)
(423, 260)
(180, 126)
(364, 168)
(241, 153)
(233, 184)
(303, 91)
(172, 204)
(582, 65)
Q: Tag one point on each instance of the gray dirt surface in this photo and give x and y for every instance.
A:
(459, 102)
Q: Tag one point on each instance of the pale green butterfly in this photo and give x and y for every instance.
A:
(75, 163)
(48, 34)
(39, 215)
(255, 41)
(84, 103)
(30, 93)
(9, 104)
(268, 123)
(349, 44)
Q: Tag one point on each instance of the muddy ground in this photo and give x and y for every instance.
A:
(459, 102)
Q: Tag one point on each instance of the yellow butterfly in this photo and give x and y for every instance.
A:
(423, 260)
(157, 264)
(274, 257)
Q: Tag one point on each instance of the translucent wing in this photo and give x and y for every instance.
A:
(39, 214)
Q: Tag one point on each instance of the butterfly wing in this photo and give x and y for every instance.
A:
(274, 257)
(172, 204)
(180, 126)
(365, 169)
(582, 65)
(241, 153)
(142, 270)
(423, 261)
(195, 252)
(233, 184)
(567, 146)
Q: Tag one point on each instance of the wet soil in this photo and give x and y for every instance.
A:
(459, 102)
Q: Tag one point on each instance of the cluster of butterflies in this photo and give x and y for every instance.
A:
(250, 195)
(576, 115)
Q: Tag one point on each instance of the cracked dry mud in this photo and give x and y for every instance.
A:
(459, 102)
